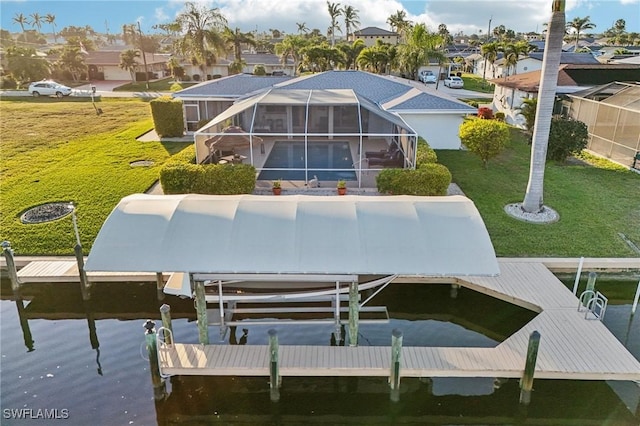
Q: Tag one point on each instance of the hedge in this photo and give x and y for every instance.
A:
(425, 154)
(221, 179)
(428, 179)
(167, 116)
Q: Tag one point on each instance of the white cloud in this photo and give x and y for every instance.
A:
(160, 15)
(629, 1)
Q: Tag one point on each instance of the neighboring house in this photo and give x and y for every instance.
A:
(509, 93)
(272, 64)
(105, 65)
(372, 34)
(206, 100)
(533, 62)
(612, 115)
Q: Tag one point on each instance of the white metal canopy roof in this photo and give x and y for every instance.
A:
(299, 234)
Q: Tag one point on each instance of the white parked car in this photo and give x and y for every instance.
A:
(48, 88)
(454, 82)
(427, 76)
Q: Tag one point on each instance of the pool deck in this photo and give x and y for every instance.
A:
(572, 346)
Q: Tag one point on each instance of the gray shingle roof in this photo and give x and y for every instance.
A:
(430, 102)
(233, 86)
(569, 58)
(373, 31)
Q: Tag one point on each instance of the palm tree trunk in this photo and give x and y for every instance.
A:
(533, 199)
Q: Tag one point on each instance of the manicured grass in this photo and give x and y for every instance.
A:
(475, 83)
(594, 203)
(63, 151)
(163, 85)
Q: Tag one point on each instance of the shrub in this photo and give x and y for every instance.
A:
(425, 154)
(499, 116)
(259, 70)
(222, 179)
(429, 179)
(485, 138)
(167, 116)
(8, 82)
(485, 112)
(186, 77)
(176, 87)
(566, 137)
(196, 77)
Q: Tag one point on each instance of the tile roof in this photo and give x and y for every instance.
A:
(574, 75)
(233, 86)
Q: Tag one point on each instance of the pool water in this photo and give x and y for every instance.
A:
(287, 158)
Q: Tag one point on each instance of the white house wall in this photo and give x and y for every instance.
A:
(115, 73)
(507, 101)
(439, 130)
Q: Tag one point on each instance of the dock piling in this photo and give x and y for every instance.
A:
(84, 282)
(165, 314)
(453, 292)
(159, 390)
(526, 383)
(201, 308)
(12, 270)
(160, 285)
(396, 352)
(274, 373)
(591, 281)
(635, 302)
(354, 314)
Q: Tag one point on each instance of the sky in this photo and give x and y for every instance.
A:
(263, 15)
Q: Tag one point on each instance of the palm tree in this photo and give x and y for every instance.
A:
(334, 11)
(128, 62)
(201, 32)
(72, 60)
(291, 46)
(21, 20)
(351, 21)
(36, 21)
(51, 19)
(421, 47)
(235, 40)
(399, 23)
(489, 53)
(511, 54)
(350, 51)
(578, 25)
(533, 199)
(527, 110)
(302, 27)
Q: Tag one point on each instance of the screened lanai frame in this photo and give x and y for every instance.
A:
(613, 123)
(315, 118)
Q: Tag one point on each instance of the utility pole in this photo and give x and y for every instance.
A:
(144, 58)
(488, 31)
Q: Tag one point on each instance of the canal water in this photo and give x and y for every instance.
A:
(68, 362)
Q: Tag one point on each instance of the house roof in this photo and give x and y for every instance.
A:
(233, 86)
(569, 58)
(298, 234)
(621, 94)
(378, 89)
(574, 75)
(373, 31)
(112, 57)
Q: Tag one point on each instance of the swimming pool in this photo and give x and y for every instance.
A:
(326, 161)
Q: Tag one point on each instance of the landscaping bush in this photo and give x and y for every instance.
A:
(259, 70)
(196, 77)
(222, 179)
(499, 116)
(429, 179)
(186, 77)
(176, 87)
(167, 116)
(485, 138)
(8, 82)
(486, 113)
(425, 154)
(566, 137)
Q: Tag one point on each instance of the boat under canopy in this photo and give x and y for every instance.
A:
(294, 238)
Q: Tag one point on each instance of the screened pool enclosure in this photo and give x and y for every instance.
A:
(300, 135)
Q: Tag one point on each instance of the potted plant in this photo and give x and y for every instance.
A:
(276, 187)
(342, 187)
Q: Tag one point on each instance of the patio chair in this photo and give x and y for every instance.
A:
(394, 160)
(383, 153)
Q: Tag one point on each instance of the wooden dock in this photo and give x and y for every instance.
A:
(571, 347)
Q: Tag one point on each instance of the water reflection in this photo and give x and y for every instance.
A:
(24, 324)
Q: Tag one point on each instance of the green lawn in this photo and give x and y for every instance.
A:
(475, 83)
(595, 203)
(62, 151)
